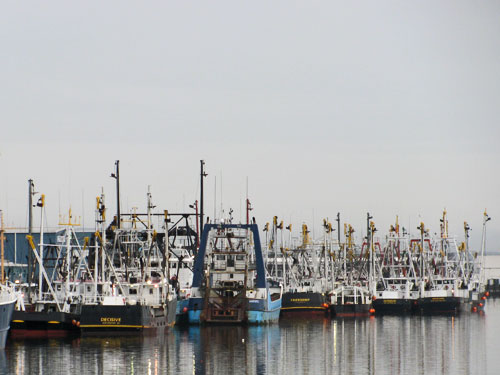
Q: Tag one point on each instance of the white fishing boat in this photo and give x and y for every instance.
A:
(51, 307)
(8, 295)
(131, 294)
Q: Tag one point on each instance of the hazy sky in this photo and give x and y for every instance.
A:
(389, 107)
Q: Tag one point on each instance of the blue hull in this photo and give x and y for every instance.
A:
(260, 317)
(194, 316)
(272, 314)
(254, 316)
(181, 316)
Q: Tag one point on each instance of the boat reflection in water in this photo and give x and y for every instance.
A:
(376, 345)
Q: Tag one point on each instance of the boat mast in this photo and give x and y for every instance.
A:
(96, 253)
(149, 234)
(369, 246)
(486, 218)
(150, 207)
(167, 251)
(202, 174)
(421, 266)
(41, 204)
(116, 176)
(466, 250)
(103, 242)
(30, 233)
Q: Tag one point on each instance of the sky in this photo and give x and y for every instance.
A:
(385, 107)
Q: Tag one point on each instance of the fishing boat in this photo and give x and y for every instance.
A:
(181, 271)
(8, 295)
(229, 280)
(350, 296)
(350, 301)
(8, 299)
(51, 307)
(395, 281)
(455, 279)
(474, 279)
(131, 294)
(441, 274)
(183, 246)
(307, 278)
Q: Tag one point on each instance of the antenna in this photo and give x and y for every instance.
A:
(83, 211)
(221, 204)
(215, 198)
(202, 175)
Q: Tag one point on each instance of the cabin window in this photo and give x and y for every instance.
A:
(89, 288)
(133, 291)
(240, 257)
(174, 265)
(220, 257)
(151, 291)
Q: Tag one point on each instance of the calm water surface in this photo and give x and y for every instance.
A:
(466, 344)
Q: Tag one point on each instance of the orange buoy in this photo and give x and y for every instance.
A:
(73, 322)
(374, 298)
(185, 310)
(78, 324)
(474, 309)
(325, 305)
(480, 305)
(372, 311)
(483, 298)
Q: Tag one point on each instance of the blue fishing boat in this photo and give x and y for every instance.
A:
(229, 278)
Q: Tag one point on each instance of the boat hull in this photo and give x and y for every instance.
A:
(266, 314)
(6, 310)
(181, 315)
(392, 306)
(304, 304)
(349, 310)
(126, 319)
(42, 324)
(436, 305)
(257, 312)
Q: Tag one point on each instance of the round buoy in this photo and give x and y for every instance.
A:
(487, 294)
(372, 311)
(483, 298)
(78, 324)
(474, 309)
(185, 310)
(73, 322)
(325, 305)
(480, 305)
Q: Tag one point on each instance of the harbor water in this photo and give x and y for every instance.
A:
(464, 344)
